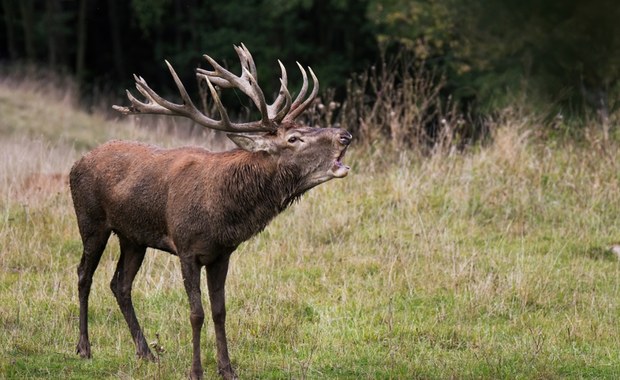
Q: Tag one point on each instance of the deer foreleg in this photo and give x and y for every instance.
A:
(216, 279)
(191, 280)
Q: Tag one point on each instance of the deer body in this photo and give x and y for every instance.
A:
(193, 203)
(171, 199)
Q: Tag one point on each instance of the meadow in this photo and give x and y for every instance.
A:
(490, 263)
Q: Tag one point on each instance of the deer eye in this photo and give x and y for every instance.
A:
(292, 139)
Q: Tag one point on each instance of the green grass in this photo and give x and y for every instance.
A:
(490, 264)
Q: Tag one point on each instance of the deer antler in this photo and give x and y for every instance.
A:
(281, 110)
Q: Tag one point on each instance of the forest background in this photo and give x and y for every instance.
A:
(558, 59)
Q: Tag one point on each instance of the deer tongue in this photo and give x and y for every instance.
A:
(339, 169)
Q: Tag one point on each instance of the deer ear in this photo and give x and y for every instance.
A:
(251, 142)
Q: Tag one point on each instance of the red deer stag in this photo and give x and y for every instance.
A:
(193, 203)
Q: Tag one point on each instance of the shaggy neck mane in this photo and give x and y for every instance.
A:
(259, 182)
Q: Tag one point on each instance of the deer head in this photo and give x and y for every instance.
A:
(316, 153)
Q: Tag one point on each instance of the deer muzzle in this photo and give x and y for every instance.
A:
(339, 169)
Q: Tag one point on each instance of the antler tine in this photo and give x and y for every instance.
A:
(283, 96)
(224, 78)
(187, 109)
(216, 75)
(297, 108)
(188, 105)
(141, 107)
(258, 94)
(218, 102)
(304, 88)
(137, 106)
(249, 60)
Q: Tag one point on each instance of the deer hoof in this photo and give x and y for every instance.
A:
(148, 355)
(196, 375)
(83, 349)
(228, 373)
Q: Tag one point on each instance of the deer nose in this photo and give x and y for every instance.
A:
(345, 138)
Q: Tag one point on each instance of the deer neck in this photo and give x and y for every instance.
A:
(261, 182)
(254, 191)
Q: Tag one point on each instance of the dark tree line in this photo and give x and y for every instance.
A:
(557, 55)
(102, 42)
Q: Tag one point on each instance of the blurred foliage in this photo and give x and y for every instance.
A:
(557, 56)
(562, 55)
(149, 14)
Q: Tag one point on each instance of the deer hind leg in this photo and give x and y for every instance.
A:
(128, 265)
(94, 239)
(216, 280)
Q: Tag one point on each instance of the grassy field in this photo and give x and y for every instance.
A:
(491, 264)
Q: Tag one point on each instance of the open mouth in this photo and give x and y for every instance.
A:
(339, 169)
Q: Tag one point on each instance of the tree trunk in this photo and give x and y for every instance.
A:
(82, 30)
(26, 8)
(115, 33)
(51, 25)
(10, 17)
